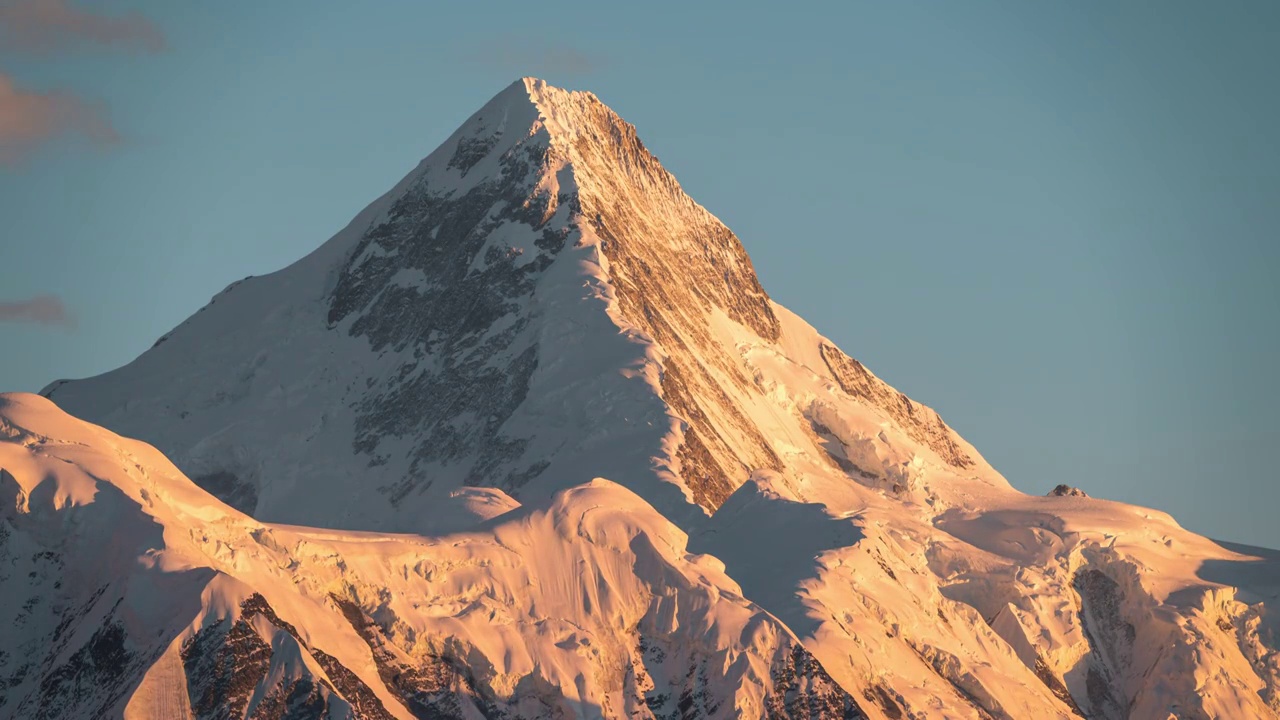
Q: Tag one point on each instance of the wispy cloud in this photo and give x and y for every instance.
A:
(30, 119)
(42, 310)
(522, 55)
(49, 26)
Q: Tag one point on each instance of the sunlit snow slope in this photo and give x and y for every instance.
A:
(132, 592)
(537, 305)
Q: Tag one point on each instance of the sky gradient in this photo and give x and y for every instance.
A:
(1054, 223)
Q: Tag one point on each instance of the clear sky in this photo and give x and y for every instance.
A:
(1055, 222)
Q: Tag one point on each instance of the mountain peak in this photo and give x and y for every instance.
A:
(540, 91)
(537, 303)
(566, 107)
(532, 108)
(538, 343)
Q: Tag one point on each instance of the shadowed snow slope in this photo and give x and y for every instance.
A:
(538, 304)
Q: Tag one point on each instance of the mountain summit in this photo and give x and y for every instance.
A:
(622, 481)
(538, 303)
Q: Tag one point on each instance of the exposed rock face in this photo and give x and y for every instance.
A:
(671, 265)
(434, 686)
(921, 423)
(1067, 491)
(93, 678)
(229, 663)
(1111, 641)
(458, 321)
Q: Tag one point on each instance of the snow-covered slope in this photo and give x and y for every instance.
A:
(132, 592)
(928, 586)
(538, 304)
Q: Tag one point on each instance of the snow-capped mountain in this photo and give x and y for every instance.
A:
(629, 484)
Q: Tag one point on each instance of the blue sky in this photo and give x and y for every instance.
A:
(1054, 222)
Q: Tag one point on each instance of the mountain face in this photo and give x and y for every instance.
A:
(537, 304)
(624, 482)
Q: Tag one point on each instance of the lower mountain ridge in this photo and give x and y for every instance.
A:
(529, 439)
(134, 593)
